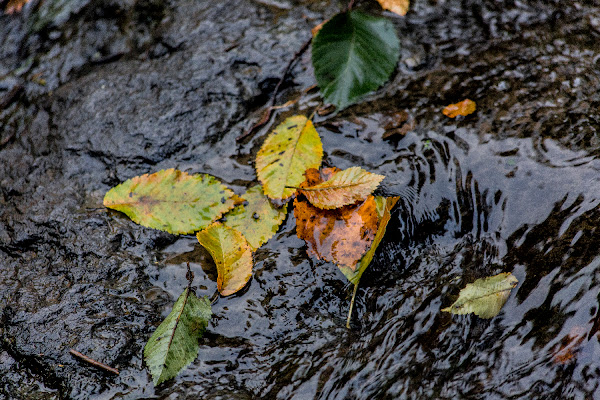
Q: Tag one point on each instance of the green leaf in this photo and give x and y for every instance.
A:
(232, 255)
(171, 200)
(292, 148)
(352, 55)
(484, 297)
(174, 344)
(384, 207)
(343, 188)
(258, 220)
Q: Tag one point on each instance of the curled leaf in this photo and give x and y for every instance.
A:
(463, 108)
(342, 188)
(232, 255)
(484, 297)
(258, 220)
(292, 148)
(384, 207)
(399, 7)
(174, 344)
(171, 200)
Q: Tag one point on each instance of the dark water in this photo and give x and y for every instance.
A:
(514, 187)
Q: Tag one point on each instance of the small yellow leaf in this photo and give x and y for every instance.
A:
(399, 7)
(484, 297)
(342, 188)
(232, 255)
(292, 148)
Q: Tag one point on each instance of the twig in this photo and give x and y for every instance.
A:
(350, 5)
(267, 113)
(10, 96)
(189, 275)
(351, 305)
(94, 362)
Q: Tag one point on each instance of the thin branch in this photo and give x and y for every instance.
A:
(95, 363)
(267, 113)
(351, 305)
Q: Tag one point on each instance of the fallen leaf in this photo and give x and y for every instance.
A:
(258, 220)
(15, 6)
(342, 188)
(463, 108)
(340, 236)
(232, 255)
(570, 345)
(292, 148)
(353, 54)
(399, 7)
(174, 344)
(384, 207)
(171, 200)
(484, 297)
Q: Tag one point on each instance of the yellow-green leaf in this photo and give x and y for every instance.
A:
(258, 220)
(171, 200)
(384, 207)
(292, 148)
(484, 297)
(232, 255)
(343, 188)
(399, 7)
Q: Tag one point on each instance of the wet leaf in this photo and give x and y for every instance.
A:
(258, 220)
(342, 188)
(399, 7)
(340, 236)
(352, 55)
(570, 345)
(15, 6)
(484, 297)
(232, 255)
(292, 148)
(171, 200)
(384, 207)
(463, 108)
(174, 344)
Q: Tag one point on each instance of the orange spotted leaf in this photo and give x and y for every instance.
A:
(171, 200)
(463, 108)
(342, 188)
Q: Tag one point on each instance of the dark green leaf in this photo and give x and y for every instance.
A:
(353, 54)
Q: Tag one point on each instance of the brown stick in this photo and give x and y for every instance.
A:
(267, 114)
(94, 362)
(10, 96)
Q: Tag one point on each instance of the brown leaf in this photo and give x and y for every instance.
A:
(342, 188)
(15, 6)
(571, 344)
(399, 7)
(463, 108)
(342, 235)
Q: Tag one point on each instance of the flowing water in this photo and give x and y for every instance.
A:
(514, 187)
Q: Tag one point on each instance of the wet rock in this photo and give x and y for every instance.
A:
(114, 89)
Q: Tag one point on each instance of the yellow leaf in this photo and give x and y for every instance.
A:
(258, 220)
(292, 148)
(399, 7)
(232, 255)
(484, 297)
(343, 188)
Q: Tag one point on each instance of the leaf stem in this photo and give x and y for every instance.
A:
(351, 305)
(94, 362)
